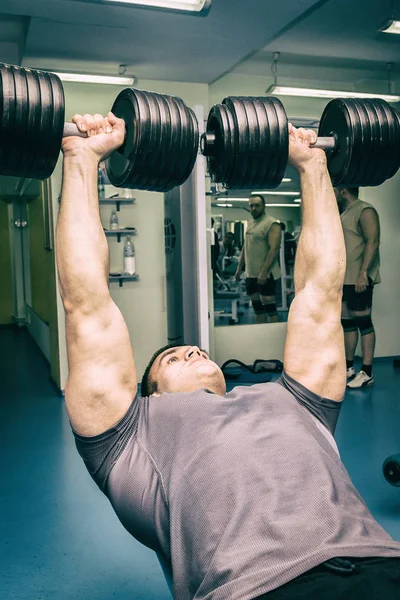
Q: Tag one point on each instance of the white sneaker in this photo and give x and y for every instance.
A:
(361, 380)
(350, 373)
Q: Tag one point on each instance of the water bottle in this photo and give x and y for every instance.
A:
(129, 256)
(114, 224)
(100, 184)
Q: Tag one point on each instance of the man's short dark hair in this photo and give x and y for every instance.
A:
(148, 386)
(354, 191)
(283, 226)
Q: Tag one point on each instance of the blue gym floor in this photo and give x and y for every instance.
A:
(60, 539)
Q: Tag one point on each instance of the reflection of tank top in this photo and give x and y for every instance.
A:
(257, 247)
(355, 243)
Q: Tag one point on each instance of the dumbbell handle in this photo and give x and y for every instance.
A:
(325, 143)
(71, 129)
(207, 143)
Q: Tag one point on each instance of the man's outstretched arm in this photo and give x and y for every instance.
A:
(314, 350)
(102, 378)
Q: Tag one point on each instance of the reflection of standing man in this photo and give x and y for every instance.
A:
(360, 224)
(260, 256)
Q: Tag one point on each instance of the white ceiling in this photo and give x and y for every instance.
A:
(237, 36)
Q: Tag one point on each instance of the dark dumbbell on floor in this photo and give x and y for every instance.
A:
(161, 140)
(246, 142)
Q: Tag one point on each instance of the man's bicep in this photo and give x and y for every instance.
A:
(102, 377)
(314, 349)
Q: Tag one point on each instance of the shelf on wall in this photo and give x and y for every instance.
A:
(120, 232)
(117, 201)
(122, 277)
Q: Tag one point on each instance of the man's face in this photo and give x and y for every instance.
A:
(256, 206)
(186, 369)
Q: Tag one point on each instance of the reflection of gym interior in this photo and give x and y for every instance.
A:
(60, 538)
(232, 305)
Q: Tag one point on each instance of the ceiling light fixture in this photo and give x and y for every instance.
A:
(282, 90)
(196, 7)
(391, 25)
(90, 78)
(224, 205)
(272, 193)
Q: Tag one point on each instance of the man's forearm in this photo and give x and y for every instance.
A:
(269, 261)
(241, 261)
(321, 244)
(370, 254)
(82, 249)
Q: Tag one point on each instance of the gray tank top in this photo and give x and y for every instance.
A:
(355, 244)
(237, 494)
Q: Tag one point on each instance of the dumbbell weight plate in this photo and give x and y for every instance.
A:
(341, 121)
(220, 163)
(36, 159)
(135, 164)
(189, 153)
(17, 150)
(282, 148)
(394, 127)
(264, 139)
(7, 115)
(57, 112)
(389, 154)
(376, 150)
(243, 142)
(368, 133)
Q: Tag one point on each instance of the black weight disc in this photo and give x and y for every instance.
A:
(158, 143)
(367, 160)
(242, 142)
(283, 149)
(169, 179)
(221, 161)
(149, 156)
(45, 121)
(19, 157)
(121, 165)
(33, 120)
(390, 150)
(146, 165)
(57, 119)
(339, 120)
(395, 125)
(183, 146)
(189, 151)
(8, 107)
(275, 133)
(375, 150)
(260, 177)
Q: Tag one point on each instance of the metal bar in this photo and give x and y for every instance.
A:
(325, 143)
(71, 129)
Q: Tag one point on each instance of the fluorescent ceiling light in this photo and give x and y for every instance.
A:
(297, 200)
(391, 26)
(194, 6)
(244, 200)
(271, 193)
(281, 90)
(86, 78)
(224, 205)
(281, 205)
(286, 180)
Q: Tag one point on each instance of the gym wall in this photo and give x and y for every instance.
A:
(142, 303)
(267, 341)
